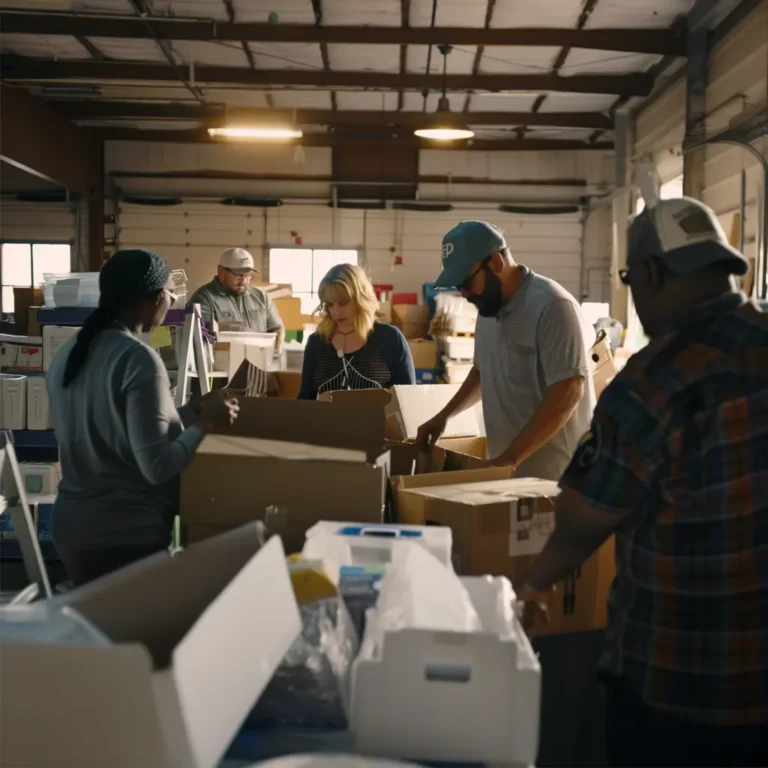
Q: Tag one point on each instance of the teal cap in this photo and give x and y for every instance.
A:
(466, 244)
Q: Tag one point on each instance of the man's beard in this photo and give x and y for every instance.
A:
(491, 300)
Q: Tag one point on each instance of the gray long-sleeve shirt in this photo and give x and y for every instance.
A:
(122, 443)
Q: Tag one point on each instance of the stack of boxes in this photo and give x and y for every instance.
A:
(453, 326)
(413, 320)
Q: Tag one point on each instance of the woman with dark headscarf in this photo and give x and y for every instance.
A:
(123, 443)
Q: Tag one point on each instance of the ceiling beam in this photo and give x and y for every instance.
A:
(115, 110)
(489, 8)
(657, 41)
(92, 48)
(198, 136)
(229, 7)
(330, 179)
(405, 22)
(23, 69)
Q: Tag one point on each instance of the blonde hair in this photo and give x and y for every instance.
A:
(347, 282)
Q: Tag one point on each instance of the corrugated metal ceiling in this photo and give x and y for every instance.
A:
(542, 13)
(360, 58)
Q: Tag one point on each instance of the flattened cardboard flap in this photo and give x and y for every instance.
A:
(415, 404)
(166, 595)
(227, 445)
(491, 492)
(358, 427)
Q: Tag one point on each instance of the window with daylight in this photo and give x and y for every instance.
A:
(304, 268)
(22, 265)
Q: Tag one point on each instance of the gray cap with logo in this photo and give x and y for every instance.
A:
(466, 244)
(685, 234)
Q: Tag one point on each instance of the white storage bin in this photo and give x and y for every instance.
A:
(449, 696)
(455, 372)
(79, 289)
(458, 347)
(372, 544)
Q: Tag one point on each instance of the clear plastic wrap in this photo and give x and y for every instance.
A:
(333, 761)
(311, 686)
(419, 592)
(42, 624)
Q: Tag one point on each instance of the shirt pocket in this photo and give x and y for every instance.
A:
(518, 363)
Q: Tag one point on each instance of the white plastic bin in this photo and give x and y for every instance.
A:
(372, 544)
(448, 696)
(458, 347)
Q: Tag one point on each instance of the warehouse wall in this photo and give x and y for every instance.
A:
(737, 87)
(192, 235)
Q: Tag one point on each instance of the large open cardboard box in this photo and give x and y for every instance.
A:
(407, 407)
(500, 526)
(289, 463)
(197, 639)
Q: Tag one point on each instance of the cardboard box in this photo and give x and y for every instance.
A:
(54, 337)
(411, 509)
(424, 353)
(23, 299)
(499, 527)
(384, 314)
(288, 384)
(38, 406)
(25, 352)
(235, 347)
(290, 313)
(289, 463)
(203, 635)
(13, 402)
(407, 407)
(33, 326)
(411, 319)
(603, 365)
(39, 479)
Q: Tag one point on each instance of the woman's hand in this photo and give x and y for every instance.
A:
(217, 396)
(219, 414)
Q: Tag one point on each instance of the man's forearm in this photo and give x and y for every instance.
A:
(561, 554)
(468, 395)
(554, 411)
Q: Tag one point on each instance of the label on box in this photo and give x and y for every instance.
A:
(529, 527)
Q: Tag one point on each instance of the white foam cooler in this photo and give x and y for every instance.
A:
(372, 544)
(449, 696)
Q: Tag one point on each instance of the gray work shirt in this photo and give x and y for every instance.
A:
(122, 445)
(252, 311)
(539, 338)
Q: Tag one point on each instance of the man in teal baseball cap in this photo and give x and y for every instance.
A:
(531, 365)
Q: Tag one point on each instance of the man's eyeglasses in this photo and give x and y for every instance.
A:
(246, 276)
(465, 284)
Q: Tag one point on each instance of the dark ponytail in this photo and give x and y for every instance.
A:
(129, 277)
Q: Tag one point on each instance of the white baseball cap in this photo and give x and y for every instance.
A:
(237, 260)
(685, 234)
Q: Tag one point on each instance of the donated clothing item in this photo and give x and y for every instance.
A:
(122, 447)
(639, 735)
(679, 448)
(384, 361)
(86, 565)
(538, 339)
(252, 311)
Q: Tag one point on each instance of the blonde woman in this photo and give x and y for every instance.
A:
(350, 349)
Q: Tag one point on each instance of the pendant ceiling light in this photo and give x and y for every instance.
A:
(444, 125)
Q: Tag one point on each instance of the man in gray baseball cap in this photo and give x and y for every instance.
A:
(530, 368)
(234, 303)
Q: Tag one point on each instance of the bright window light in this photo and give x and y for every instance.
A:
(256, 132)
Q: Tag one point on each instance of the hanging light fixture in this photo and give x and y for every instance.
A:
(444, 125)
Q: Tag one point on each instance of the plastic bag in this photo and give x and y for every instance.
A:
(310, 687)
(42, 624)
(419, 592)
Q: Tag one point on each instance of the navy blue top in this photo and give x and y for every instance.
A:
(384, 361)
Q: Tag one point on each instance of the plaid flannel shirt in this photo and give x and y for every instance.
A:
(679, 441)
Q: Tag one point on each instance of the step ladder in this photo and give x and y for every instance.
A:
(17, 506)
(192, 350)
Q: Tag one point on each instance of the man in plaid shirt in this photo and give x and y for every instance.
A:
(676, 464)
